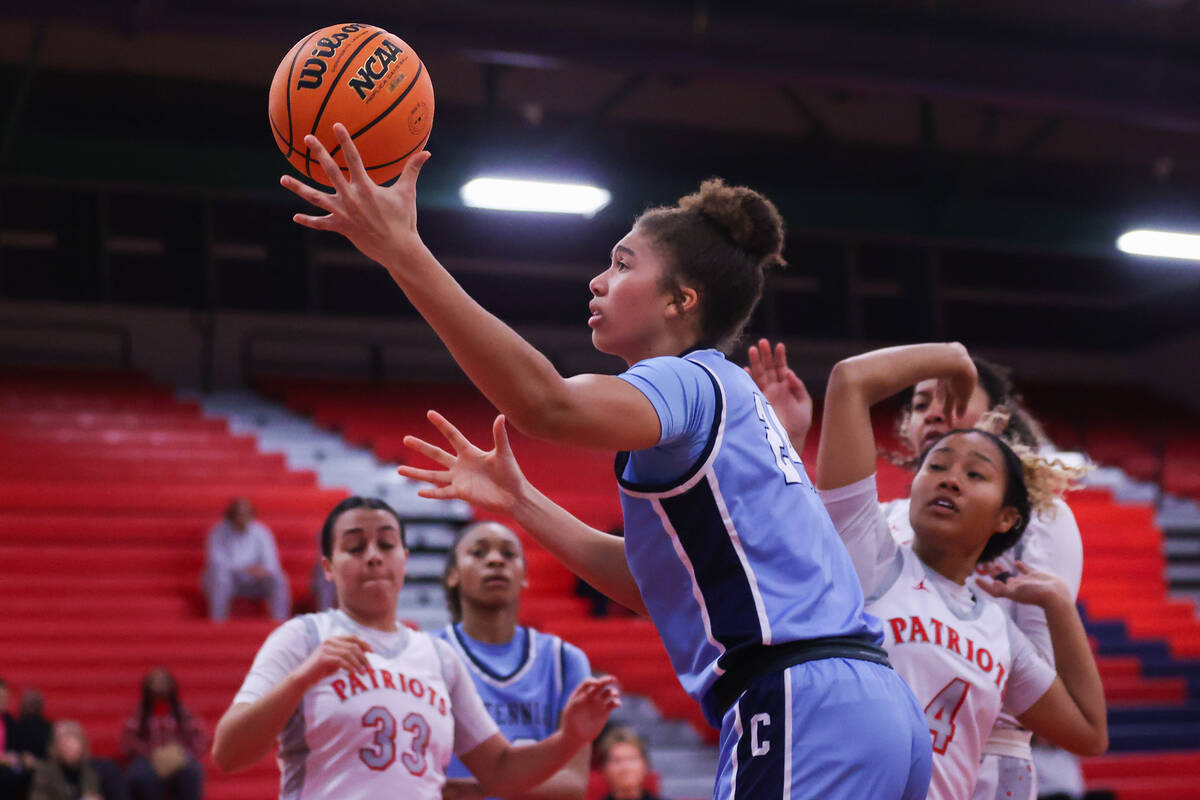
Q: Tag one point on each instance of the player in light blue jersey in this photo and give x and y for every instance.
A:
(726, 547)
(523, 675)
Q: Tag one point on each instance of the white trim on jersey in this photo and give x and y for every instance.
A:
(682, 555)
(737, 727)
(760, 608)
(787, 734)
(469, 661)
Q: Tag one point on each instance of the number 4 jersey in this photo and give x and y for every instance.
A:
(961, 654)
(386, 732)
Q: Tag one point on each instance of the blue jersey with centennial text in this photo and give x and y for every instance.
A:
(725, 534)
(524, 684)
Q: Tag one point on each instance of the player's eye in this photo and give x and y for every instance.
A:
(921, 406)
(976, 476)
(621, 265)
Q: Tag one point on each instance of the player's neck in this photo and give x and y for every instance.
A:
(947, 562)
(381, 621)
(490, 625)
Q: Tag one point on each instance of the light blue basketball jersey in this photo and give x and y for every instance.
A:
(725, 535)
(525, 701)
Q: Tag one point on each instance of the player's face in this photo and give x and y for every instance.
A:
(368, 563)
(958, 494)
(629, 306)
(490, 567)
(625, 770)
(928, 421)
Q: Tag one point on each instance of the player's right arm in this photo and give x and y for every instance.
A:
(589, 410)
(247, 731)
(493, 480)
(847, 450)
(1071, 712)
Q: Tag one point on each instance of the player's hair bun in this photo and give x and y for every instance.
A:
(750, 220)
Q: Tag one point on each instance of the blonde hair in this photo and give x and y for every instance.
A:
(622, 735)
(1046, 478)
(73, 728)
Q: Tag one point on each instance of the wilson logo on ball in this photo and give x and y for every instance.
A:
(313, 72)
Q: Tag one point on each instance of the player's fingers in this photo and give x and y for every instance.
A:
(447, 492)
(332, 170)
(500, 435)
(322, 223)
(430, 451)
(781, 357)
(412, 169)
(322, 200)
(433, 476)
(452, 434)
(1024, 568)
(358, 174)
(994, 588)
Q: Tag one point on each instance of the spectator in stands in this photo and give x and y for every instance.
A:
(164, 743)
(31, 732)
(625, 763)
(66, 774)
(10, 762)
(242, 560)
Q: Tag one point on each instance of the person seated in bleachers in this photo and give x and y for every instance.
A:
(30, 733)
(11, 781)
(164, 743)
(625, 762)
(241, 560)
(66, 774)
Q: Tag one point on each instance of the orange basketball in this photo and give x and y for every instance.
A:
(363, 77)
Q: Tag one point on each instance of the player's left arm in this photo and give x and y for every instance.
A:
(504, 769)
(1072, 712)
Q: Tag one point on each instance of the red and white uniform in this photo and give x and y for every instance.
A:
(959, 651)
(1051, 543)
(388, 732)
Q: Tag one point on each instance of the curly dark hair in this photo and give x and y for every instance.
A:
(720, 241)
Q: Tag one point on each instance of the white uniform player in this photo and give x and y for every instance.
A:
(1051, 543)
(959, 651)
(388, 732)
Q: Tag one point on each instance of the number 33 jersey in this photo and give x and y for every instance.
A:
(389, 731)
(961, 654)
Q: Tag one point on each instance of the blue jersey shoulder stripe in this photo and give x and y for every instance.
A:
(713, 438)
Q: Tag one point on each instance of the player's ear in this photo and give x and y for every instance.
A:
(684, 301)
(452, 579)
(1008, 519)
(327, 568)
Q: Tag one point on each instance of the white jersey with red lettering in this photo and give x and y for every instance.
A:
(959, 652)
(1051, 543)
(386, 732)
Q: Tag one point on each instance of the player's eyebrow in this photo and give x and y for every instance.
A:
(623, 249)
(980, 455)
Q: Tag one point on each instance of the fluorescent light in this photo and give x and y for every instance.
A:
(520, 195)
(1163, 244)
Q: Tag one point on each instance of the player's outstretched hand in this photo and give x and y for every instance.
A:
(1026, 586)
(588, 708)
(490, 479)
(335, 653)
(380, 221)
(958, 387)
(783, 389)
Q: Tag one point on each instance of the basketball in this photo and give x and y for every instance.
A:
(363, 77)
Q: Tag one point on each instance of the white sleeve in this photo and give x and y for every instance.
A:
(473, 725)
(283, 651)
(1031, 675)
(860, 523)
(1050, 544)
